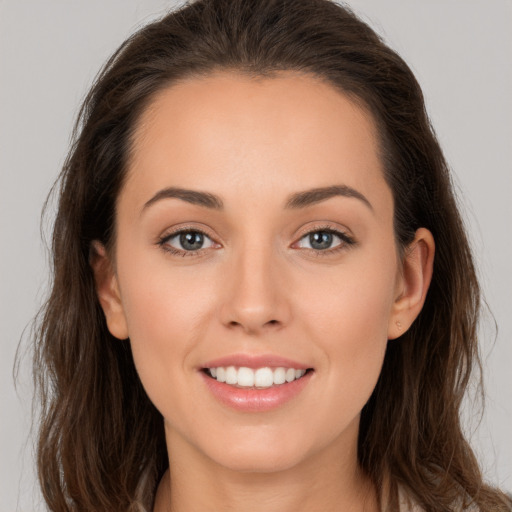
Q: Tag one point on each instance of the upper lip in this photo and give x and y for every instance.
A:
(255, 361)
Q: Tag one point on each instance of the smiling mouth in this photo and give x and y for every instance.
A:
(257, 378)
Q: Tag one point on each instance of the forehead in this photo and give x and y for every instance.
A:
(292, 130)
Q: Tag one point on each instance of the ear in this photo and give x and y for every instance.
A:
(107, 290)
(414, 280)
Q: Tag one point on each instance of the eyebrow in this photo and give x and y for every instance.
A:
(297, 200)
(190, 196)
(316, 195)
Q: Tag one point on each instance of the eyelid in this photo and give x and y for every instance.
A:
(184, 228)
(325, 227)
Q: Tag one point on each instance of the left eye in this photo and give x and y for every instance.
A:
(322, 240)
(189, 241)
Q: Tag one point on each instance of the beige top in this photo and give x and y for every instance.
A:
(408, 504)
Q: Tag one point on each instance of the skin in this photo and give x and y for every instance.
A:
(257, 286)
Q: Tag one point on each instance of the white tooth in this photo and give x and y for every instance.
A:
(231, 377)
(290, 375)
(245, 377)
(263, 378)
(213, 372)
(221, 374)
(298, 374)
(279, 376)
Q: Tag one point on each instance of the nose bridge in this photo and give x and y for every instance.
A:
(255, 299)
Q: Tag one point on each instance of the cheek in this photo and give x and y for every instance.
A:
(165, 314)
(354, 301)
(348, 319)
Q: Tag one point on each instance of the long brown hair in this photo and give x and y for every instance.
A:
(101, 441)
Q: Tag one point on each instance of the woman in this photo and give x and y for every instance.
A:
(263, 289)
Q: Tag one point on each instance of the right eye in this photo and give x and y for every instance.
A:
(186, 242)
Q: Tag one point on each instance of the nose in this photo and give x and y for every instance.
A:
(255, 299)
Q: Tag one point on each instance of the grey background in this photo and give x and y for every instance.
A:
(50, 51)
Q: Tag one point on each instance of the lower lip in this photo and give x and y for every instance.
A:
(256, 400)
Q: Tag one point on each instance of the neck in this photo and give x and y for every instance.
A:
(329, 480)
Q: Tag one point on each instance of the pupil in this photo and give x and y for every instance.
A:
(320, 240)
(191, 241)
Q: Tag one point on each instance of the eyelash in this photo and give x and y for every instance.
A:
(346, 241)
(162, 242)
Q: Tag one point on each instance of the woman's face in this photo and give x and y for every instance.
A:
(255, 230)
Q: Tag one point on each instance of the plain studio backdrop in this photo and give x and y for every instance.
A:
(461, 53)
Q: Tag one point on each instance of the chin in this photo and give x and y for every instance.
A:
(259, 456)
(259, 461)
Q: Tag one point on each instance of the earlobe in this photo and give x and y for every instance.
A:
(417, 268)
(107, 289)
